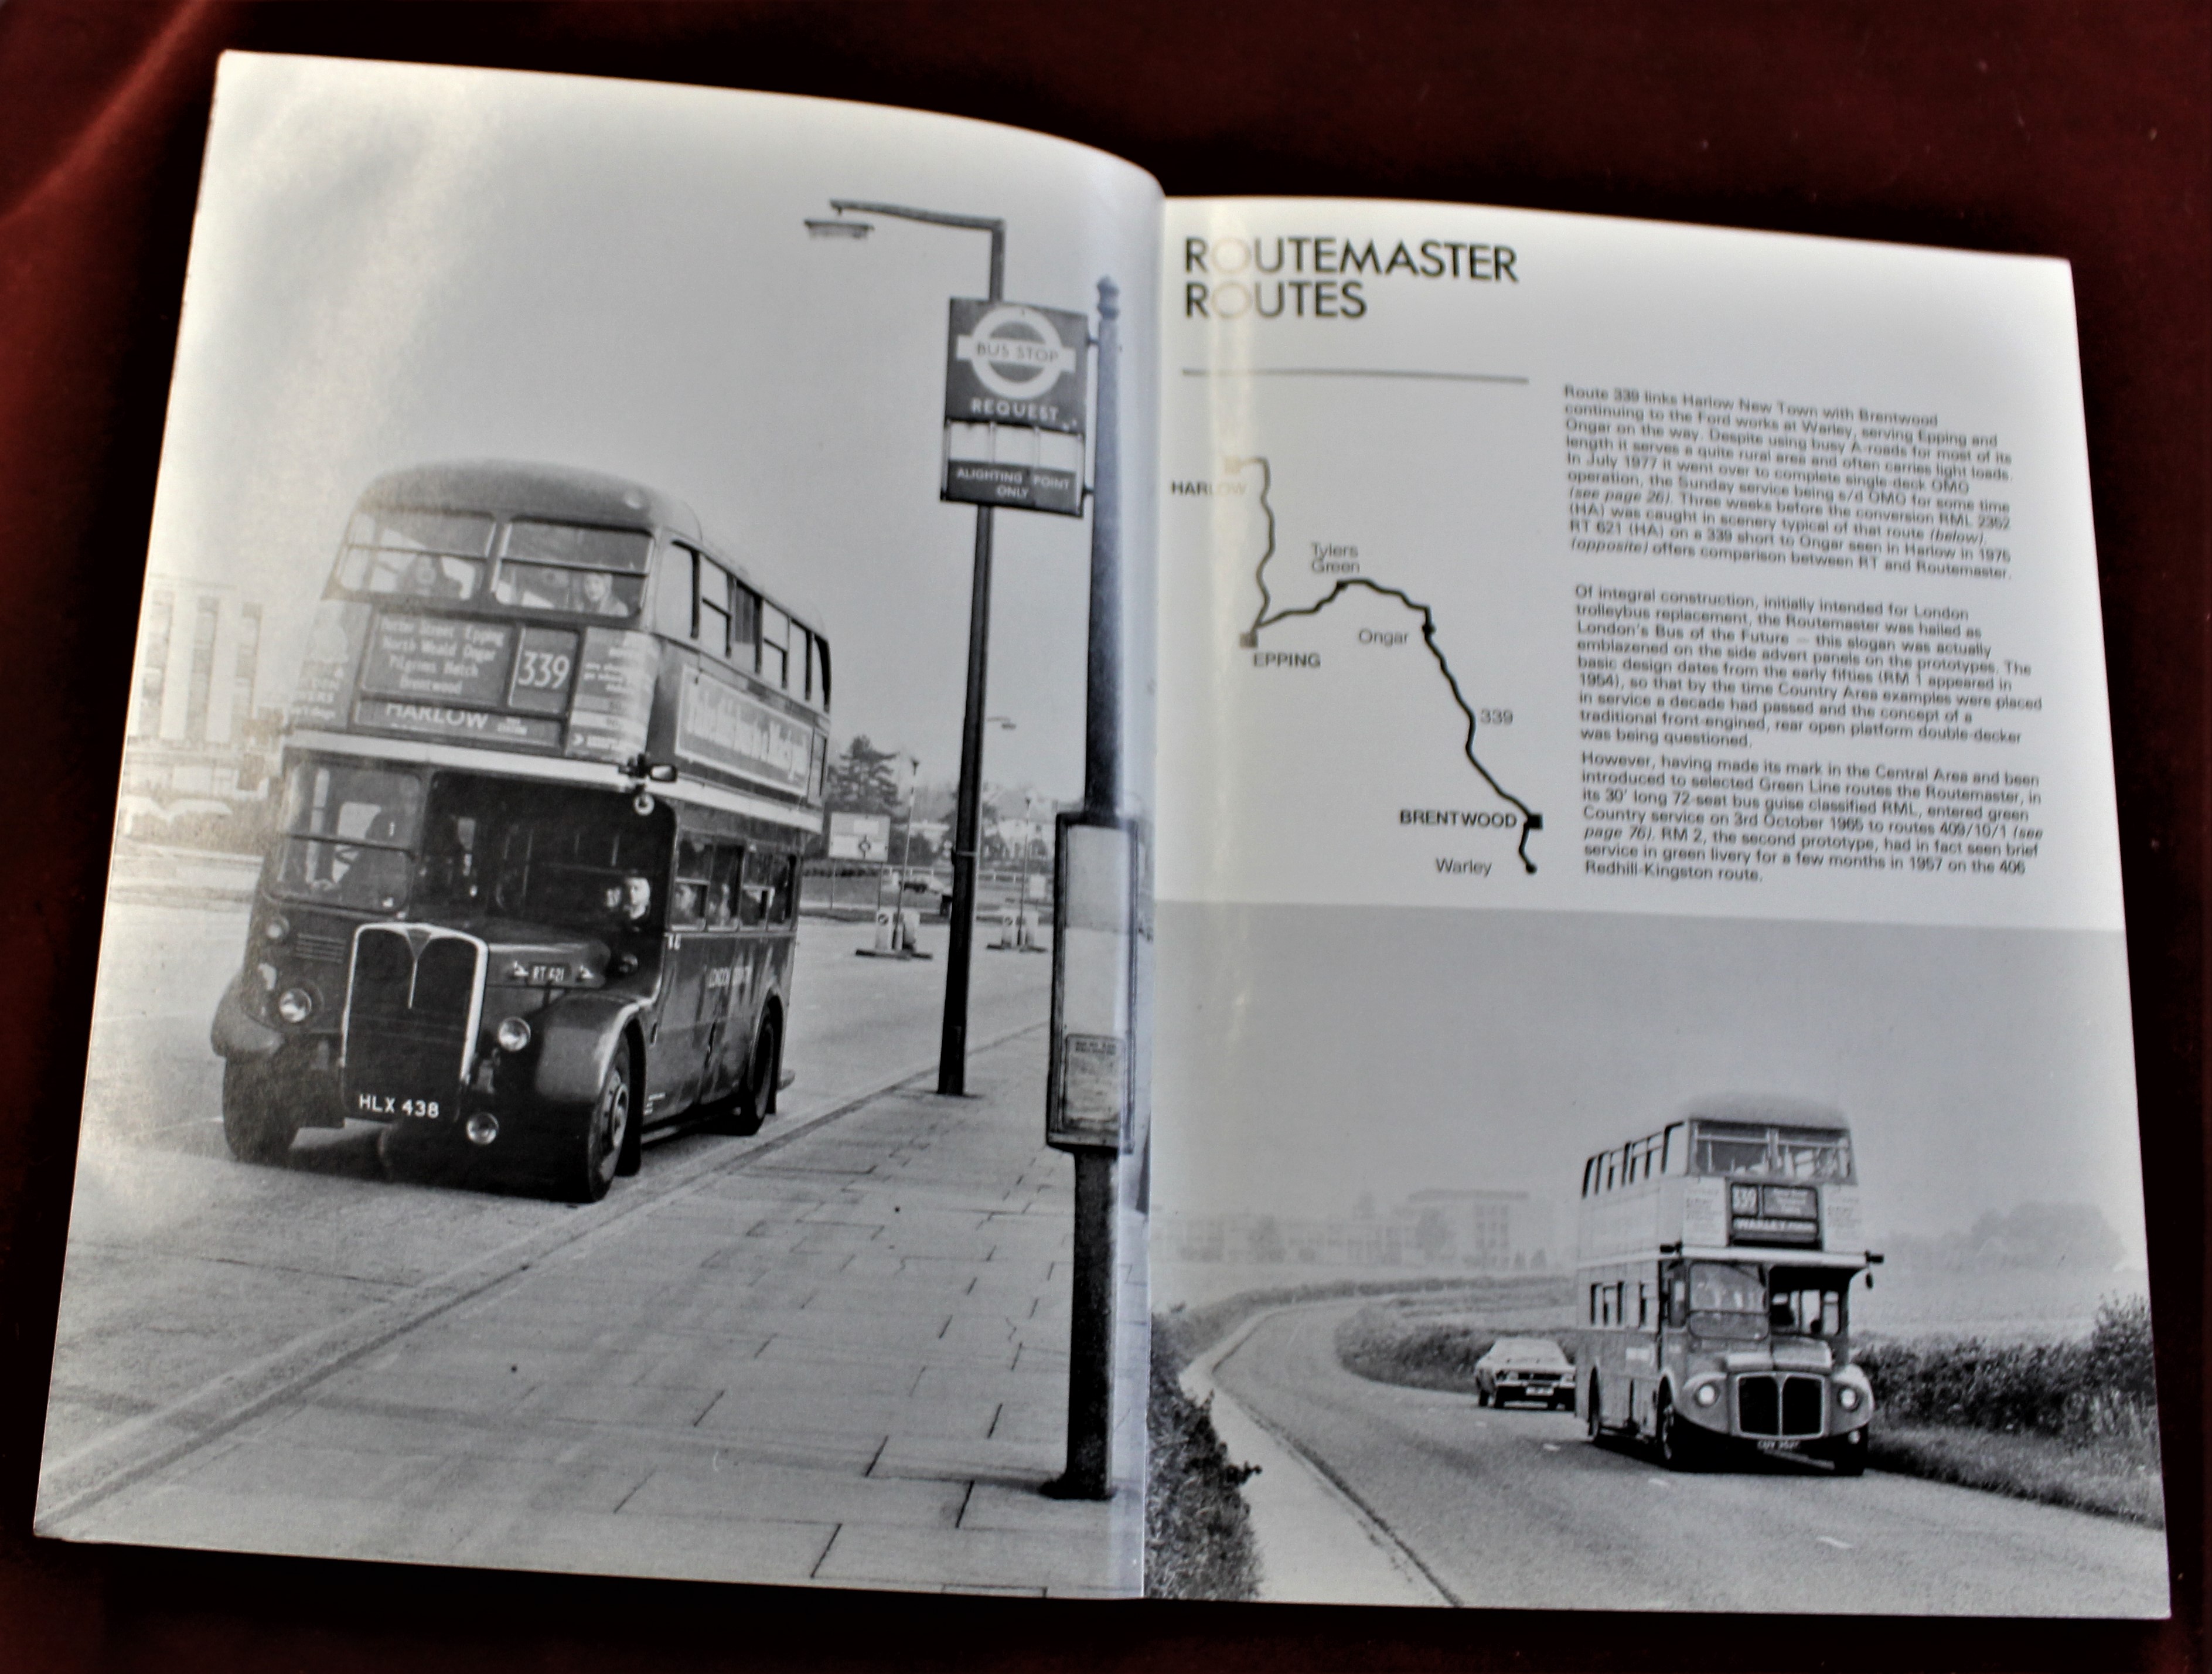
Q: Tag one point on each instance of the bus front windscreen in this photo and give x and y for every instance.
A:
(347, 834)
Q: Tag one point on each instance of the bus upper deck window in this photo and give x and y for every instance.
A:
(821, 671)
(628, 551)
(774, 665)
(745, 621)
(710, 604)
(544, 586)
(410, 574)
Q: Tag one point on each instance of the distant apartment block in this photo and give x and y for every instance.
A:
(199, 742)
(1484, 1230)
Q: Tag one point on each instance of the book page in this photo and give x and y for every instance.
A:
(513, 1132)
(1642, 963)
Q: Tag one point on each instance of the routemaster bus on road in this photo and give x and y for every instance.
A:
(1714, 1283)
(551, 767)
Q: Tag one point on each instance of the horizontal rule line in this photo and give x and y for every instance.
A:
(1346, 372)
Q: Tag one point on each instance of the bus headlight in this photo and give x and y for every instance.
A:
(513, 1034)
(295, 1005)
(275, 927)
(1847, 1397)
(1707, 1394)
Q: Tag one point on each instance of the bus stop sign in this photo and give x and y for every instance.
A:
(1016, 383)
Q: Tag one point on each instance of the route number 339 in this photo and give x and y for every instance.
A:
(542, 671)
(1494, 717)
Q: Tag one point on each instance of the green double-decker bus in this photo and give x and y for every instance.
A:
(1714, 1278)
(553, 762)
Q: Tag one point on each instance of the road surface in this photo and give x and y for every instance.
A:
(184, 1265)
(1514, 1508)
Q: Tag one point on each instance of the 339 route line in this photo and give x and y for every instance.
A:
(1267, 616)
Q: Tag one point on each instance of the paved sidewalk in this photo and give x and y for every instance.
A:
(842, 1360)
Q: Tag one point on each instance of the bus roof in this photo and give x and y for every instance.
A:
(515, 487)
(1777, 1110)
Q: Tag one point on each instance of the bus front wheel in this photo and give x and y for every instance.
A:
(255, 1124)
(595, 1152)
(1678, 1444)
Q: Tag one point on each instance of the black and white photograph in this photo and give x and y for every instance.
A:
(568, 1087)
(1590, 1262)
(682, 634)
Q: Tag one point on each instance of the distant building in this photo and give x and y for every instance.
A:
(1490, 1230)
(199, 741)
(1486, 1231)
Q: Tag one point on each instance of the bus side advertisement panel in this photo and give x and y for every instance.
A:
(718, 726)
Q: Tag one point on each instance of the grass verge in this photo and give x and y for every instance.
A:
(2111, 1480)
(1198, 1529)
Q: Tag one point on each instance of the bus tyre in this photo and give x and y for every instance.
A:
(629, 1157)
(1849, 1454)
(595, 1152)
(254, 1122)
(756, 1100)
(1677, 1443)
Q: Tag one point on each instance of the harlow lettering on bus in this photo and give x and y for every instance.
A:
(468, 720)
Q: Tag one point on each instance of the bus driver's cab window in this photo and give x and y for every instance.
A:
(1805, 1305)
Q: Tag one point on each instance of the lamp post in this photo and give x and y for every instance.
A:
(906, 844)
(952, 1039)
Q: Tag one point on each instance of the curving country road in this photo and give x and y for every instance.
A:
(1514, 1508)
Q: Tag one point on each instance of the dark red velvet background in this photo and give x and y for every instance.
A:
(2073, 129)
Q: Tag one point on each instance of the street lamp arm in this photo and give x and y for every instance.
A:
(981, 223)
(977, 224)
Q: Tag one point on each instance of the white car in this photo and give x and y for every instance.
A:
(1525, 1368)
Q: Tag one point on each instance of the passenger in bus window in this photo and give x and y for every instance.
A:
(598, 596)
(427, 579)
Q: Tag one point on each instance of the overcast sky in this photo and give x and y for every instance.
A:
(399, 264)
(1308, 1053)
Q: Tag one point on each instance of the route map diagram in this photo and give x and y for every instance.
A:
(1269, 614)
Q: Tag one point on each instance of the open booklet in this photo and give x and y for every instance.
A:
(848, 855)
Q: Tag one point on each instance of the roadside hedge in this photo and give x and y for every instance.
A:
(2086, 1391)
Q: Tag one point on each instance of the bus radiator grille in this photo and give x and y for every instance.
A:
(1777, 1407)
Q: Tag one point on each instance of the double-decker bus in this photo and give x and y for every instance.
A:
(1714, 1282)
(552, 765)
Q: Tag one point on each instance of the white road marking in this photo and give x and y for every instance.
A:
(1551, 1447)
(1661, 1482)
(1830, 1540)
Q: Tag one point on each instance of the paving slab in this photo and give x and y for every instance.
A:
(841, 1361)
